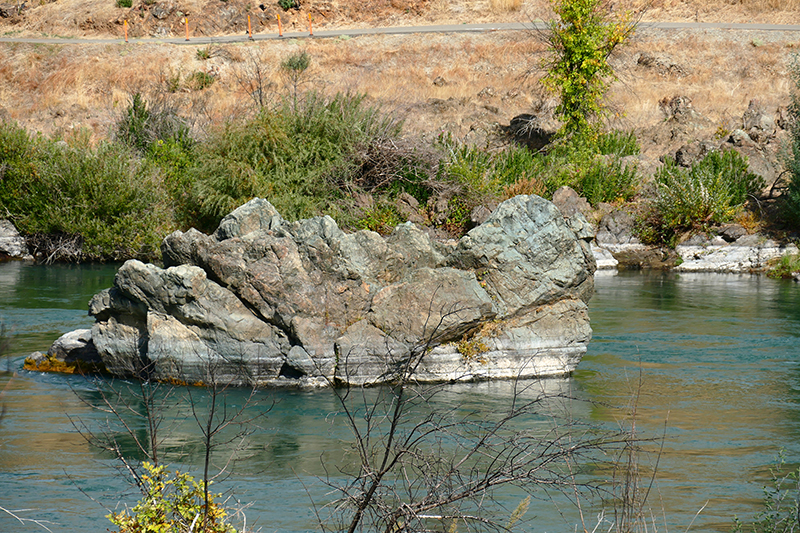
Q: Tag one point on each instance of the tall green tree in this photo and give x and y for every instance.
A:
(580, 42)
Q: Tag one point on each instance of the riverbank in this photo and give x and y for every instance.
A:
(465, 102)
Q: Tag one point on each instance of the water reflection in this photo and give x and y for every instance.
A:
(39, 303)
(717, 357)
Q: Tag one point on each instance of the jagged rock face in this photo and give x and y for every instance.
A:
(264, 301)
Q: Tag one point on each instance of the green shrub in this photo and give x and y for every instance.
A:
(781, 503)
(791, 198)
(293, 69)
(619, 143)
(382, 218)
(580, 41)
(574, 163)
(124, 3)
(298, 62)
(477, 175)
(785, 267)
(577, 163)
(607, 180)
(472, 168)
(711, 192)
(286, 5)
(16, 160)
(172, 504)
(200, 80)
(299, 158)
(102, 196)
(172, 161)
(141, 124)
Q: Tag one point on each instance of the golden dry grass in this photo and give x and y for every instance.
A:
(505, 6)
(55, 89)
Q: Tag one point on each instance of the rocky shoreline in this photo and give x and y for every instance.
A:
(731, 250)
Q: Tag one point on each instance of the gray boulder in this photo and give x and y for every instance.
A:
(73, 352)
(266, 301)
(12, 244)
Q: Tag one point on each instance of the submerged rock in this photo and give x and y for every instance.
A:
(71, 353)
(266, 301)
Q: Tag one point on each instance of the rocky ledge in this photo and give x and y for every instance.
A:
(729, 249)
(264, 301)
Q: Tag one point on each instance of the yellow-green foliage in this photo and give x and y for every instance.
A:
(580, 42)
(172, 505)
(472, 349)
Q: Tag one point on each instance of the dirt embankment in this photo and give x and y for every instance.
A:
(466, 84)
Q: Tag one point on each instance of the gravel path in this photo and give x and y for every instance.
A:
(778, 30)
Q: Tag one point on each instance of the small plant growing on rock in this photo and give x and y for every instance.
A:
(380, 219)
(472, 349)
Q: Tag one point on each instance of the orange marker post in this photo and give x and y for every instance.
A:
(186, 22)
(280, 26)
(125, 25)
(249, 28)
(310, 29)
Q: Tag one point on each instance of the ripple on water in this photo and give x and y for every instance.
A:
(714, 360)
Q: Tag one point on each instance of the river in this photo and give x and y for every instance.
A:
(712, 361)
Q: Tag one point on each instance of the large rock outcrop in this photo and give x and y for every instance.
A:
(266, 301)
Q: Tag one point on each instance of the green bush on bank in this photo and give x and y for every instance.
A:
(791, 198)
(711, 192)
(595, 170)
(781, 502)
(172, 503)
(308, 156)
(785, 267)
(142, 124)
(296, 156)
(104, 195)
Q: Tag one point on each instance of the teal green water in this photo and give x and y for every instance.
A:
(714, 361)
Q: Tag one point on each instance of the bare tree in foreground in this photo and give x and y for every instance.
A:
(421, 468)
(134, 432)
(420, 464)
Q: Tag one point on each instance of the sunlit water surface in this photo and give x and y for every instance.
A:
(712, 361)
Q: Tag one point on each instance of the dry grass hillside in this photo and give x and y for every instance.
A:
(467, 84)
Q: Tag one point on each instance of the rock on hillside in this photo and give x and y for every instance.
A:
(267, 301)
